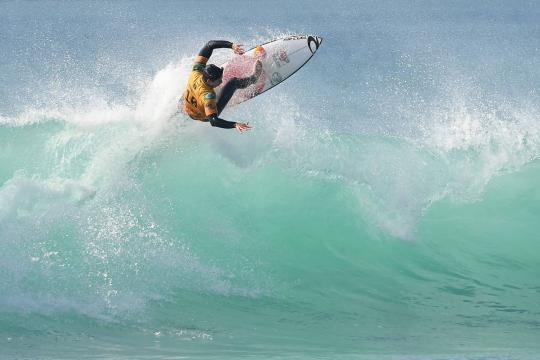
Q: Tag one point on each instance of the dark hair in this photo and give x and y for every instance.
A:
(212, 72)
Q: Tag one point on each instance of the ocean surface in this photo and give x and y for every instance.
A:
(386, 204)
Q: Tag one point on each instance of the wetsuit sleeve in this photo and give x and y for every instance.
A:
(221, 123)
(206, 51)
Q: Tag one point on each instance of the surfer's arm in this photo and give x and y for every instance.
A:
(210, 46)
(211, 112)
(210, 109)
(224, 124)
(220, 123)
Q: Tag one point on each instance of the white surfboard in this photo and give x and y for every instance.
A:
(280, 58)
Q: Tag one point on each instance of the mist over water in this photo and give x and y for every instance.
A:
(384, 205)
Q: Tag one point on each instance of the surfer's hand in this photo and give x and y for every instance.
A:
(237, 48)
(241, 127)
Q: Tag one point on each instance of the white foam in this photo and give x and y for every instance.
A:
(86, 175)
(478, 144)
(22, 196)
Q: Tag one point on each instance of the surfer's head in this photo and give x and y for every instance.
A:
(213, 75)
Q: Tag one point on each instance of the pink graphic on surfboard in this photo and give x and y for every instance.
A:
(241, 67)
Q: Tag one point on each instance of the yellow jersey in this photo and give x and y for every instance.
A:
(199, 100)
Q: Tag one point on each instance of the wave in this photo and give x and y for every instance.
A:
(129, 214)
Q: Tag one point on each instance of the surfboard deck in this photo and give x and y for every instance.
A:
(281, 58)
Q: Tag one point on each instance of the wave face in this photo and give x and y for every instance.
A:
(385, 204)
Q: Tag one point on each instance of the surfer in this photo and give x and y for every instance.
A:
(200, 101)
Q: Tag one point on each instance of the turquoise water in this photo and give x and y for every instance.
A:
(384, 206)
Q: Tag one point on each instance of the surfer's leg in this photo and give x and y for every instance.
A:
(234, 84)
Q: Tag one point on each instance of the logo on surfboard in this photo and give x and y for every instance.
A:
(313, 43)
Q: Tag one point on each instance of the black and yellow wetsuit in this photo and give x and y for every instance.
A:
(199, 100)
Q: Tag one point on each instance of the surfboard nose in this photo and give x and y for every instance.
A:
(314, 42)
